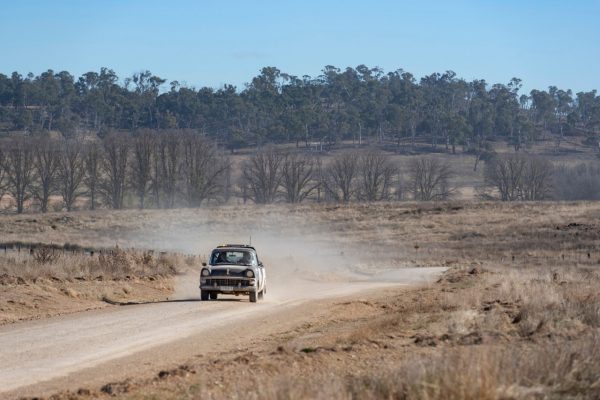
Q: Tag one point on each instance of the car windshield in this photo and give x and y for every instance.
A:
(238, 257)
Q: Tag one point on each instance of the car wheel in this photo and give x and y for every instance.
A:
(252, 297)
(213, 296)
(261, 294)
(204, 295)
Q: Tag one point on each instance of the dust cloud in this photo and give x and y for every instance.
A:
(297, 258)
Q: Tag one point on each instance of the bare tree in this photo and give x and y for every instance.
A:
(70, 172)
(204, 170)
(261, 176)
(519, 177)
(2, 173)
(141, 168)
(376, 175)
(114, 169)
(429, 179)
(505, 174)
(167, 169)
(537, 179)
(19, 169)
(92, 160)
(45, 160)
(298, 177)
(156, 173)
(339, 176)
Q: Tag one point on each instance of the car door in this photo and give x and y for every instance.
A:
(260, 274)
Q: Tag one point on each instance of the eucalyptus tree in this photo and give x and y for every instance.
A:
(405, 106)
(301, 108)
(99, 99)
(437, 103)
(263, 95)
(543, 107)
(231, 118)
(360, 103)
(588, 110)
(563, 101)
(339, 115)
(48, 98)
(480, 117)
(371, 99)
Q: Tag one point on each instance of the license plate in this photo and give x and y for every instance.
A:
(227, 288)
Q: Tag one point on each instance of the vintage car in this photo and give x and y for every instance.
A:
(233, 269)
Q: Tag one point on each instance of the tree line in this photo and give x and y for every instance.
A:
(164, 169)
(361, 104)
(168, 169)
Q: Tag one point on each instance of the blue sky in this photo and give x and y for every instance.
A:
(209, 43)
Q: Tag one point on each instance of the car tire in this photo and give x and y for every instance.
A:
(213, 296)
(204, 295)
(253, 297)
(261, 294)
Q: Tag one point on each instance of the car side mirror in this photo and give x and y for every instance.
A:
(204, 264)
(260, 264)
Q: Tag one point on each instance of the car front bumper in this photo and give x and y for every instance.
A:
(229, 285)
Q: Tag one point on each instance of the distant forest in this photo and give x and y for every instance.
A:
(361, 104)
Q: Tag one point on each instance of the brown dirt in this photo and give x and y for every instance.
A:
(45, 297)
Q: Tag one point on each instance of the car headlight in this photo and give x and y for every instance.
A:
(250, 273)
(205, 272)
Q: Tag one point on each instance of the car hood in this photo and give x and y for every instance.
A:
(233, 269)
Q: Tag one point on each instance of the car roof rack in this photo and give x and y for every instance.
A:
(243, 246)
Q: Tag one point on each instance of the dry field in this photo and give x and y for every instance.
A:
(516, 315)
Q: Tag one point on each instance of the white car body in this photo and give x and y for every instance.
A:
(233, 269)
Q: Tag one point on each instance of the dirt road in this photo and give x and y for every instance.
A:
(71, 350)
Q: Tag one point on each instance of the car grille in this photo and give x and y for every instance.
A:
(226, 273)
(227, 282)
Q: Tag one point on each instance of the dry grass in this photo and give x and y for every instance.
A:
(473, 335)
(45, 262)
(517, 315)
(488, 373)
